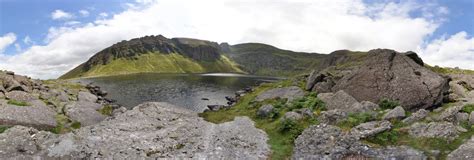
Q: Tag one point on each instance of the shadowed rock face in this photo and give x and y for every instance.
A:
(387, 74)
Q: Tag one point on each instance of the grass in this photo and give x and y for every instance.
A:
(355, 119)
(447, 70)
(388, 104)
(18, 103)
(155, 63)
(106, 110)
(468, 108)
(281, 133)
(76, 125)
(3, 128)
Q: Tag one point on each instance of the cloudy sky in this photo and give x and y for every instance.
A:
(46, 38)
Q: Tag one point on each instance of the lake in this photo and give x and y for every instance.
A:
(190, 91)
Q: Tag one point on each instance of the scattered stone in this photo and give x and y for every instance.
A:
(292, 116)
(434, 130)
(417, 116)
(368, 129)
(265, 110)
(289, 93)
(87, 96)
(340, 100)
(396, 113)
(450, 114)
(20, 96)
(332, 117)
(306, 112)
(463, 152)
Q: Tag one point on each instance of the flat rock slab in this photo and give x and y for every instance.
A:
(342, 101)
(20, 96)
(434, 130)
(156, 130)
(38, 116)
(464, 152)
(84, 112)
(290, 93)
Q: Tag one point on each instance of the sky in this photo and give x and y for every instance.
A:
(46, 38)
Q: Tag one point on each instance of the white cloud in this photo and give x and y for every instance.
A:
(6, 40)
(27, 40)
(455, 51)
(84, 13)
(315, 26)
(61, 15)
(103, 15)
(18, 47)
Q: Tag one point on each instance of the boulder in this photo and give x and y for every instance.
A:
(265, 110)
(449, 114)
(417, 116)
(84, 112)
(332, 143)
(340, 100)
(462, 117)
(293, 116)
(463, 152)
(392, 75)
(38, 115)
(86, 96)
(332, 117)
(396, 113)
(434, 130)
(289, 93)
(320, 82)
(306, 112)
(368, 129)
(369, 106)
(155, 131)
(22, 139)
(20, 96)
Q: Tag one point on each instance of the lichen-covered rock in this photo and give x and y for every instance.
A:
(396, 113)
(463, 152)
(370, 128)
(332, 117)
(265, 110)
(155, 131)
(306, 112)
(25, 140)
(449, 114)
(387, 74)
(287, 92)
(20, 96)
(38, 115)
(86, 96)
(340, 100)
(417, 116)
(292, 116)
(434, 130)
(84, 112)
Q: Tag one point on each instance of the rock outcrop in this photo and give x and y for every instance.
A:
(464, 152)
(393, 75)
(148, 131)
(289, 93)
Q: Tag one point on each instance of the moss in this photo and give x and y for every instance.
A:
(18, 103)
(76, 125)
(61, 121)
(388, 104)
(468, 108)
(355, 119)
(4, 128)
(106, 110)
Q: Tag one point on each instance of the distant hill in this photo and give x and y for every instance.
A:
(159, 54)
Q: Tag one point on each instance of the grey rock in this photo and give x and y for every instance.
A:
(20, 96)
(471, 118)
(265, 110)
(38, 115)
(84, 112)
(86, 96)
(332, 143)
(2, 95)
(340, 100)
(320, 82)
(157, 131)
(392, 75)
(369, 106)
(434, 130)
(396, 113)
(462, 117)
(292, 116)
(417, 116)
(368, 129)
(288, 92)
(463, 152)
(332, 116)
(306, 112)
(458, 90)
(461, 129)
(449, 114)
(22, 139)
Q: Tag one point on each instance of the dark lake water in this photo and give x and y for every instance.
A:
(185, 90)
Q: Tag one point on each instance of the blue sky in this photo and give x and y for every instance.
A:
(45, 38)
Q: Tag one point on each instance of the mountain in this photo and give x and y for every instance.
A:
(159, 54)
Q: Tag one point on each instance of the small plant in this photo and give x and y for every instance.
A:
(58, 129)
(76, 125)
(468, 108)
(18, 103)
(388, 104)
(389, 137)
(355, 119)
(310, 101)
(3, 128)
(106, 110)
(291, 127)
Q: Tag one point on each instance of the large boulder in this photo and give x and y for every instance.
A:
(396, 113)
(154, 131)
(340, 100)
(463, 152)
(22, 139)
(289, 93)
(86, 96)
(37, 115)
(394, 76)
(368, 129)
(84, 112)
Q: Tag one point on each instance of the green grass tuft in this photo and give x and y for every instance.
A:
(76, 125)
(18, 103)
(388, 104)
(468, 108)
(4, 128)
(355, 119)
(106, 110)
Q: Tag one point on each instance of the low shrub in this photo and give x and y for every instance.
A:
(76, 125)
(388, 104)
(290, 127)
(106, 110)
(468, 108)
(355, 119)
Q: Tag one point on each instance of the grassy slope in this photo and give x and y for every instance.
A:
(156, 63)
